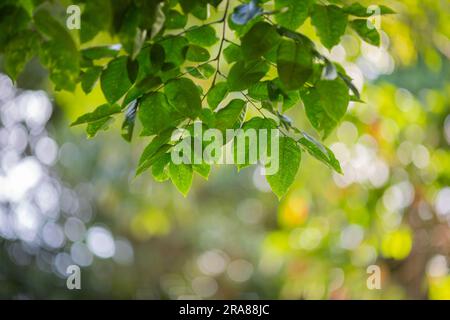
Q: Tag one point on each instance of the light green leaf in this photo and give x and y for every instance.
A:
(232, 53)
(181, 176)
(160, 168)
(368, 34)
(326, 103)
(330, 23)
(320, 152)
(197, 54)
(175, 20)
(289, 163)
(155, 149)
(255, 123)
(204, 71)
(102, 112)
(294, 12)
(203, 36)
(358, 10)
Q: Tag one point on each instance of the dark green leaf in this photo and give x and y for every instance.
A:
(89, 78)
(184, 96)
(100, 52)
(114, 79)
(217, 94)
(174, 49)
(157, 114)
(242, 75)
(294, 63)
(259, 40)
(132, 69)
(229, 116)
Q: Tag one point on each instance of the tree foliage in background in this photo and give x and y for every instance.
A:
(250, 50)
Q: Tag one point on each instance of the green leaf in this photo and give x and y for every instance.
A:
(174, 49)
(141, 87)
(132, 69)
(99, 52)
(96, 17)
(157, 114)
(204, 36)
(94, 127)
(202, 169)
(59, 54)
(217, 94)
(160, 169)
(325, 104)
(259, 91)
(330, 23)
(204, 71)
(229, 117)
(181, 176)
(233, 53)
(289, 163)
(255, 123)
(175, 20)
(294, 12)
(18, 52)
(320, 152)
(358, 10)
(184, 96)
(259, 40)
(155, 149)
(89, 78)
(244, 74)
(368, 34)
(157, 56)
(197, 54)
(102, 112)
(114, 79)
(294, 63)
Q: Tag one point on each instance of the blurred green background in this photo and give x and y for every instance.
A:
(67, 200)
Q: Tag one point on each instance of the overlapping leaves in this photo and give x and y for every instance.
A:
(151, 79)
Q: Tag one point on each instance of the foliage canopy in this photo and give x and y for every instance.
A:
(250, 50)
